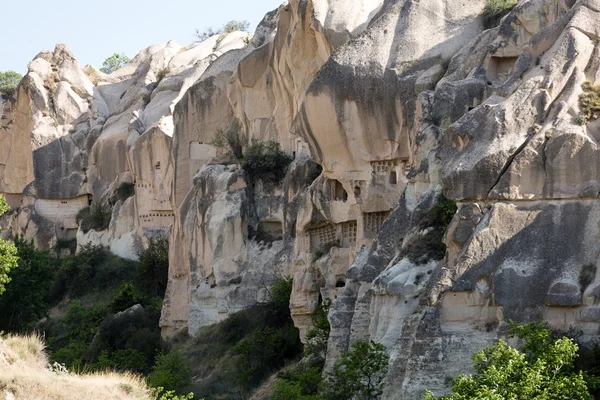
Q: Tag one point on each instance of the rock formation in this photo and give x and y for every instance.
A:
(383, 105)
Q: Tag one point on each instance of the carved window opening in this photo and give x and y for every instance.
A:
(373, 222)
(349, 233)
(339, 193)
(323, 235)
(393, 178)
(357, 191)
(499, 68)
(384, 166)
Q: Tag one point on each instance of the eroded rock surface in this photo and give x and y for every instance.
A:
(383, 105)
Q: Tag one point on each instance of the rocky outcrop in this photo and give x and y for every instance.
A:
(384, 105)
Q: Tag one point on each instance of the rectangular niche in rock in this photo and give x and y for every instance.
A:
(61, 211)
(373, 223)
(499, 68)
(322, 235)
(156, 219)
(349, 233)
(338, 191)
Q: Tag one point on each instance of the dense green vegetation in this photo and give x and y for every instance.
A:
(125, 191)
(114, 63)
(358, 374)
(8, 253)
(95, 217)
(590, 103)
(77, 302)
(8, 83)
(495, 10)
(544, 368)
(264, 160)
(233, 357)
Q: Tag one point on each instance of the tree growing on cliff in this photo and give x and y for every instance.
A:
(8, 253)
(8, 83)
(114, 62)
(543, 369)
(358, 374)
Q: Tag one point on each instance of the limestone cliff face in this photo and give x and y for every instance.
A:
(396, 101)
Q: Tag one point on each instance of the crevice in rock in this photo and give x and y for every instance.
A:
(508, 163)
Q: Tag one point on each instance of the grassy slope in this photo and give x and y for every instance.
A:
(23, 375)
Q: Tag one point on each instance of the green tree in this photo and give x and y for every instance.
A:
(8, 253)
(114, 62)
(544, 369)
(8, 83)
(154, 265)
(358, 374)
(25, 300)
(171, 371)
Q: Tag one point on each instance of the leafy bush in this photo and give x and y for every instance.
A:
(162, 394)
(125, 191)
(8, 253)
(125, 298)
(358, 374)
(302, 381)
(8, 83)
(496, 9)
(66, 244)
(97, 217)
(160, 75)
(114, 63)
(171, 371)
(154, 266)
(231, 140)
(590, 103)
(134, 331)
(266, 159)
(25, 299)
(543, 369)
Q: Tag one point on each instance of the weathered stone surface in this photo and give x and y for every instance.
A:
(397, 101)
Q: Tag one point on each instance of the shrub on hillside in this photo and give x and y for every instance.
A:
(25, 300)
(266, 160)
(8, 253)
(590, 103)
(544, 368)
(171, 371)
(96, 217)
(8, 83)
(125, 298)
(125, 191)
(231, 140)
(114, 63)
(154, 266)
(495, 10)
(358, 374)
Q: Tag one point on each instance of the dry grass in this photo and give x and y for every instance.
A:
(23, 375)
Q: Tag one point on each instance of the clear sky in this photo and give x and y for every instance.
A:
(96, 29)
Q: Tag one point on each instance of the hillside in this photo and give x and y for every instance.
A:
(26, 374)
(428, 166)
